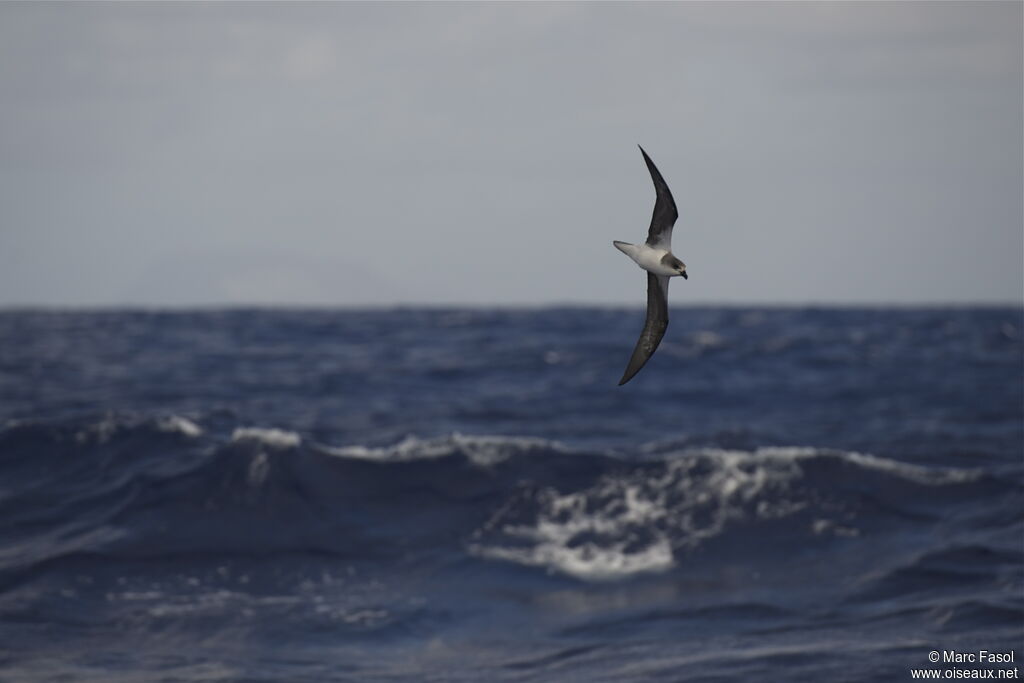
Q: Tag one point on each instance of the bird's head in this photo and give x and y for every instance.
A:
(680, 268)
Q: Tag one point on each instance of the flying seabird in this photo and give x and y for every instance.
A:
(656, 257)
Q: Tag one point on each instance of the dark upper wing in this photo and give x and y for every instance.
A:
(654, 326)
(665, 214)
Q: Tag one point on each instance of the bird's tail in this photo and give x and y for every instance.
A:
(621, 246)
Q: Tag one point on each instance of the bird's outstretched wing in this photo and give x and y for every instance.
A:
(660, 234)
(654, 326)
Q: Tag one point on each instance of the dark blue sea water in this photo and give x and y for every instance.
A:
(466, 495)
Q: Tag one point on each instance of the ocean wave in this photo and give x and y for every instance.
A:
(645, 518)
(638, 520)
(166, 485)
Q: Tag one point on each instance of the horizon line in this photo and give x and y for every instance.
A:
(238, 306)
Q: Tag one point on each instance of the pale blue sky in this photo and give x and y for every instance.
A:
(363, 154)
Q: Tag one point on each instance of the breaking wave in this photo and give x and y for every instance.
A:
(179, 488)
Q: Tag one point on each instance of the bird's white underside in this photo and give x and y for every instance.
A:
(647, 257)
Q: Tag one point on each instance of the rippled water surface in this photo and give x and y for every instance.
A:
(466, 495)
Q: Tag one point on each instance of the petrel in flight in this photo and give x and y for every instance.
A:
(656, 257)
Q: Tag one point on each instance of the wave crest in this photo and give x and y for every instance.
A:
(275, 438)
(482, 450)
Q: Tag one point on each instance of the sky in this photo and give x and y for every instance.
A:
(350, 154)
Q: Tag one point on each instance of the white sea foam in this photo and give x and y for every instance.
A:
(275, 438)
(482, 450)
(607, 514)
(587, 561)
(918, 474)
(259, 468)
(630, 523)
(180, 425)
(104, 429)
(101, 431)
(638, 521)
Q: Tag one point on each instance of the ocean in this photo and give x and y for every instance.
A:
(421, 494)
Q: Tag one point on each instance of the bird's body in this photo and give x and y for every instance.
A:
(656, 257)
(651, 259)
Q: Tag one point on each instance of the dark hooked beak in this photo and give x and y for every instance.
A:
(685, 276)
